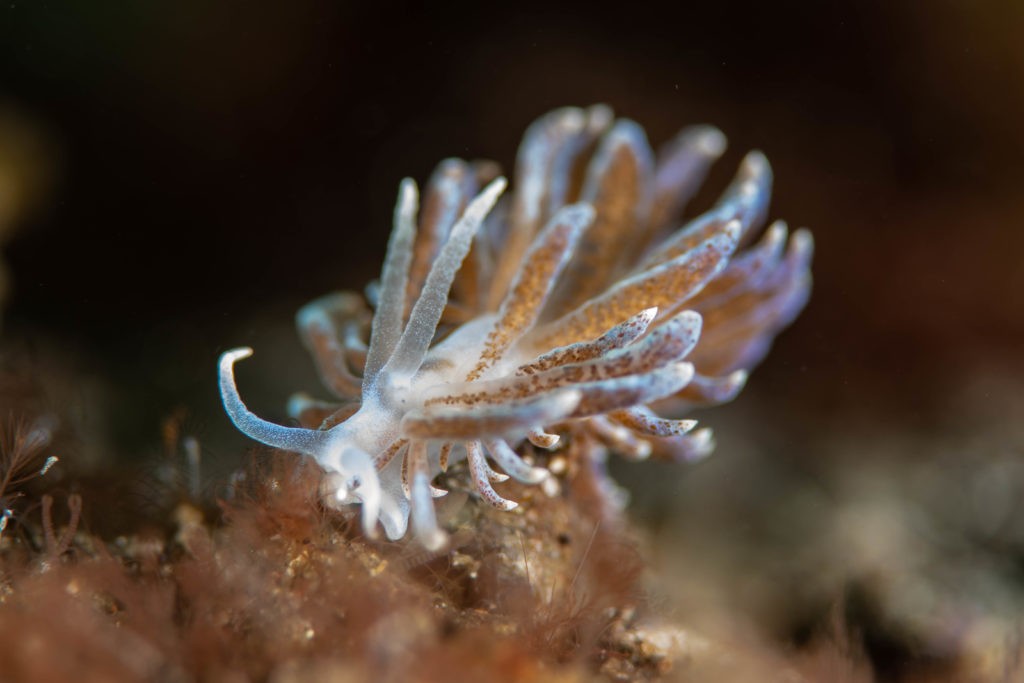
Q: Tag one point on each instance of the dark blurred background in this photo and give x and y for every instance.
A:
(205, 168)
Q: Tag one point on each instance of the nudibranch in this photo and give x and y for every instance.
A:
(574, 307)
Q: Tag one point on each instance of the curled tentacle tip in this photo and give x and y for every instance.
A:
(229, 357)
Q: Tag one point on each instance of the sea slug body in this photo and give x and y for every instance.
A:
(573, 305)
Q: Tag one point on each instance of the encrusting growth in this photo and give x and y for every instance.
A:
(572, 310)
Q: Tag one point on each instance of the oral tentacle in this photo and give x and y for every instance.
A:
(387, 322)
(307, 441)
(419, 332)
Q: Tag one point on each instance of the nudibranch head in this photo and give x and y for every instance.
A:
(571, 306)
